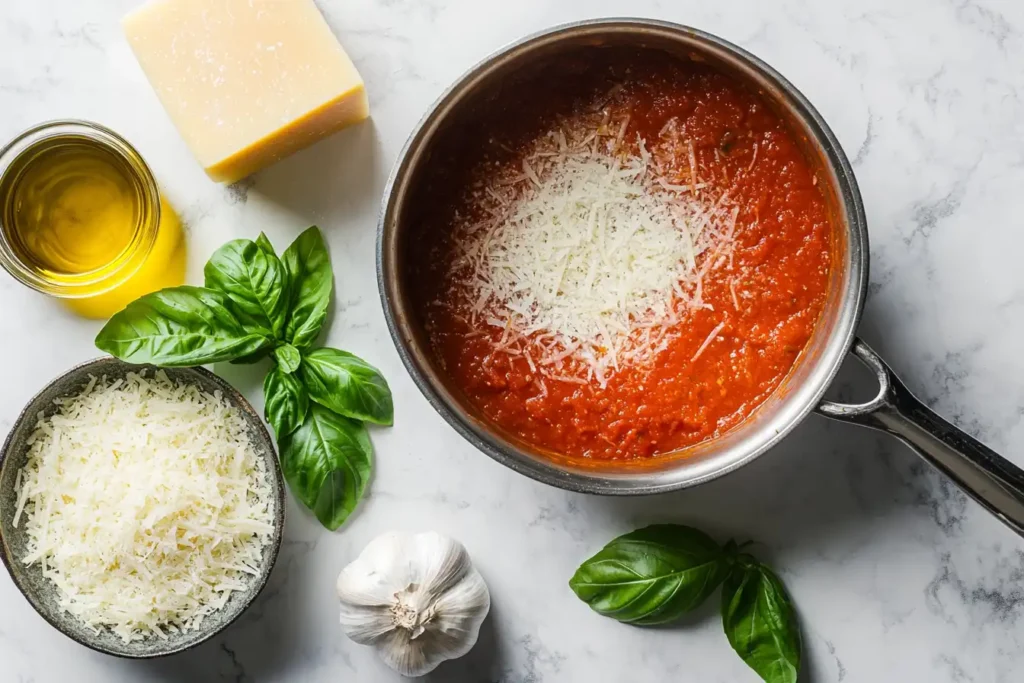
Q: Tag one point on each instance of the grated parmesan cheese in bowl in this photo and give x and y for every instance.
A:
(145, 505)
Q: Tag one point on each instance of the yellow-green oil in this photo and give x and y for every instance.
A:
(78, 216)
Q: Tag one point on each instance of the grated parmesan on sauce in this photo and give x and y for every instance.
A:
(145, 503)
(588, 258)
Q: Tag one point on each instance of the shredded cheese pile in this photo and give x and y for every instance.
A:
(145, 503)
(589, 257)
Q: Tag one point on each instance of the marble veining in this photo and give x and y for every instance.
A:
(897, 575)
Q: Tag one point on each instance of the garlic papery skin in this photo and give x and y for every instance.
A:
(416, 598)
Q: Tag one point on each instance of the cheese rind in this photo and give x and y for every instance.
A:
(246, 82)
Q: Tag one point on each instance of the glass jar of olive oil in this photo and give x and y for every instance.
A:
(81, 218)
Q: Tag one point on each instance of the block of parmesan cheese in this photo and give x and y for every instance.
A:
(246, 82)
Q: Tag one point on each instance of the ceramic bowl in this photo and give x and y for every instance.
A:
(42, 593)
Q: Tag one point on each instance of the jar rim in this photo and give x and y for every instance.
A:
(132, 256)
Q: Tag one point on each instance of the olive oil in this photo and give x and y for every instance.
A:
(164, 267)
(81, 218)
(72, 207)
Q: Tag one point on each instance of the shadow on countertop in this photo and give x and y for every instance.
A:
(483, 660)
(340, 176)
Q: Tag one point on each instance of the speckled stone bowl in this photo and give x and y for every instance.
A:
(42, 594)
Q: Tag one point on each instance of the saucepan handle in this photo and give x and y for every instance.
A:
(982, 473)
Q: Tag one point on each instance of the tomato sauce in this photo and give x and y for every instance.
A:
(782, 249)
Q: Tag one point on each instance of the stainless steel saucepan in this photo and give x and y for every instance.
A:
(988, 478)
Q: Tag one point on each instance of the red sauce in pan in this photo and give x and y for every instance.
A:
(782, 247)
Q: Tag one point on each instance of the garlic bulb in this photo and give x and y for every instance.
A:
(416, 598)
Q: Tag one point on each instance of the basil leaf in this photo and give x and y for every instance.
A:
(252, 357)
(263, 242)
(310, 278)
(288, 358)
(327, 462)
(760, 621)
(286, 402)
(180, 326)
(348, 385)
(652, 575)
(255, 281)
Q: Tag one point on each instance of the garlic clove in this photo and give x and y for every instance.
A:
(441, 561)
(384, 565)
(411, 657)
(367, 625)
(461, 611)
(469, 599)
(367, 589)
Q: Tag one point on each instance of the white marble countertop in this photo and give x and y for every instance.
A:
(897, 576)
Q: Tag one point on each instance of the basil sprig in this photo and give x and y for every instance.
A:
(656, 574)
(256, 305)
